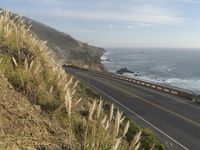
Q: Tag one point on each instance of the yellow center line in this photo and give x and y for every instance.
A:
(145, 100)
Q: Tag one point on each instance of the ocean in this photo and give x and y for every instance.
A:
(176, 67)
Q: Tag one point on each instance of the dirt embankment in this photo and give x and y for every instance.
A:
(24, 123)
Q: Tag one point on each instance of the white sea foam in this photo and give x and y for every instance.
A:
(189, 84)
(174, 67)
(105, 58)
(164, 68)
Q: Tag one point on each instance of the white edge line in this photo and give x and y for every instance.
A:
(141, 118)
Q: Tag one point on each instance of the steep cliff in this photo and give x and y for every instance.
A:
(66, 48)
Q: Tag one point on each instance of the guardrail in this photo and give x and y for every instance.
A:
(156, 86)
(149, 84)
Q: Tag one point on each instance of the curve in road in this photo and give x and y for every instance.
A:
(176, 121)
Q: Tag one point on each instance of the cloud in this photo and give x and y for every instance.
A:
(133, 13)
(190, 1)
(131, 26)
(140, 15)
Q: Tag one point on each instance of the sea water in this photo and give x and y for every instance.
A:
(176, 67)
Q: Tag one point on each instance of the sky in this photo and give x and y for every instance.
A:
(118, 23)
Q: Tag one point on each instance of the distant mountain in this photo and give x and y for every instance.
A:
(66, 48)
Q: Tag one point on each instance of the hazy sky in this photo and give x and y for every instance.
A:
(118, 23)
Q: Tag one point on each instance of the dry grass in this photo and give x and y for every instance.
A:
(31, 71)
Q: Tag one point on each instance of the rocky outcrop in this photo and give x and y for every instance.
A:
(123, 70)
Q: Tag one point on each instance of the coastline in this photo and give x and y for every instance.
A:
(190, 84)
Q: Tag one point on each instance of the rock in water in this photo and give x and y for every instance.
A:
(123, 70)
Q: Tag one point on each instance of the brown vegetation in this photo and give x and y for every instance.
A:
(42, 107)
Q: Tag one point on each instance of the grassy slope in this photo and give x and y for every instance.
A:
(44, 108)
(25, 124)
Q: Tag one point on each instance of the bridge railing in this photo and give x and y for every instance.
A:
(156, 86)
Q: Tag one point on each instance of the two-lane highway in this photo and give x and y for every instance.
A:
(173, 119)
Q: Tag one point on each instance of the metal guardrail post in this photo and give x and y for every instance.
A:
(153, 86)
(164, 88)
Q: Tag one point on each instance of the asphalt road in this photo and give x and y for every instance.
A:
(175, 121)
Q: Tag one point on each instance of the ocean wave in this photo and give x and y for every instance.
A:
(105, 58)
(175, 68)
(164, 68)
(189, 84)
